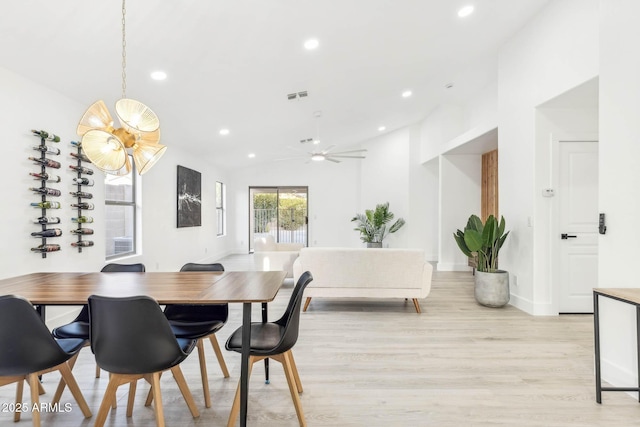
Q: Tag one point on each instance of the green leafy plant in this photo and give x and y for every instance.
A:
(482, 241)
(372, 225)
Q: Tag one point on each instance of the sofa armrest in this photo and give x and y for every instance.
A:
(427, 273)
(297, 270)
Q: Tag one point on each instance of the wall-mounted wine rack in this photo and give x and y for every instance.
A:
(82, 196)
(45, 176)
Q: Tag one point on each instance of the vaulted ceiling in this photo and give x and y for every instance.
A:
(231, 64)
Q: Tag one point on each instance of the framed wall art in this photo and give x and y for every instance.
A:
(189, 197)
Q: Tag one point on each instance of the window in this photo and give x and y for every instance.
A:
(120, 214)
(220, 207)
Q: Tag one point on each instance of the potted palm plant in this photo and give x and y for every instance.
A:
(372, 225)
(483, 242)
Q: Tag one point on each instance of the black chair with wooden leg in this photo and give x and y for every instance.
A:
(79, 327)
(28, 349)
(275, 340)
(199, 321)
(131, 339)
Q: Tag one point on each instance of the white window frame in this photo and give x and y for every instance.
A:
(221, 211)
(135, 184)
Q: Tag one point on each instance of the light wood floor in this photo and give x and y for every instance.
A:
(378, 363)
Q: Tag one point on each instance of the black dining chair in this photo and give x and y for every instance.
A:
(79, 327)
(131, 339)
(28, 350)
(275, 340)
(200, 321)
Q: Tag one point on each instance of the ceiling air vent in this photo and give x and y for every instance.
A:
(306, 141)
(297, 95)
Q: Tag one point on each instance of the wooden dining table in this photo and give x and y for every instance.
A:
(245, 287)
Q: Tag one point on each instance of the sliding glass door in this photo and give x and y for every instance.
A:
(279, 212)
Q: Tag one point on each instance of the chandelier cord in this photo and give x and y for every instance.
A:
(124, 53)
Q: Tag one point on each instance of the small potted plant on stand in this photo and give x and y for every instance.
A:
(372, 225)
(483, 242)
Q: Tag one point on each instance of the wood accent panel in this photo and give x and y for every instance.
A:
(489, 191)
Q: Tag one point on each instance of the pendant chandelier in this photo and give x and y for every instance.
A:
(139, 134)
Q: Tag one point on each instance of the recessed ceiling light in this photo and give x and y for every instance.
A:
(251, 155)
(465, 11)
(224, 132)
(311, 44)
(158, 75)
(382, 128)
(407, 94)
(316, 141)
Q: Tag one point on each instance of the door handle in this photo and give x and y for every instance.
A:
(565, 236)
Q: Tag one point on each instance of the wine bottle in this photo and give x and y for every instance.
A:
(76, 143)
(46, 135)
(81, 169)
(82, 219)
(83, 181)
(49, 232)
(82, 231)
(46, 191)
(46, 248)
(47, 220)
(82, 243)
(46, 205)
(83, 205)
(82, 194)
(82, 157)
(46, 162)
(47, 149)
(46, 177)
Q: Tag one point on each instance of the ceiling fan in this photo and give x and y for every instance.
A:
(327, 154)
(318, 155)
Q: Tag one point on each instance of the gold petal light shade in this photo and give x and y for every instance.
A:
(105, 150)
(136, 117)
(96, 117)
(146, 154)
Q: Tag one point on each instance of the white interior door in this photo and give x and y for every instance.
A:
(578, 225)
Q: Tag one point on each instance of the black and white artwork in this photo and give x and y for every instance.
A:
(189, 198)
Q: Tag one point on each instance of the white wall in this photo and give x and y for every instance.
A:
(555, 52)
(385, 178)
(619, 181)
(460, 196)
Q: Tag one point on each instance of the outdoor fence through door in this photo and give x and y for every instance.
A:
(280, 212)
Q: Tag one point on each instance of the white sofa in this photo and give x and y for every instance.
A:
(365, 273)
(269, 255)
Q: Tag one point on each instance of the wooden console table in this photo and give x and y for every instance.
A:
(626, 295)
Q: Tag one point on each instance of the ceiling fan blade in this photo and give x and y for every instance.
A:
(348, 157)
(363, 150)
(332, 160)
(329, 148)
